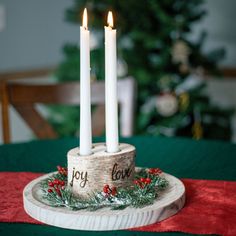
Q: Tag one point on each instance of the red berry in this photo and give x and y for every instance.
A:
(106, 188)
(62, 183)
(113, 191)
(136, 182)
(58, 191)
(151, 170)
(50, 184)
(64, 172)
(50, 190)
(56, 181)
(142, 180)
(148, 180)
(155, 171)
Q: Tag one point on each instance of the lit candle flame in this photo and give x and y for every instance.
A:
(85, 19)
(110, 19)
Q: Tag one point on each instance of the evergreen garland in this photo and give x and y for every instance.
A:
(145, 190)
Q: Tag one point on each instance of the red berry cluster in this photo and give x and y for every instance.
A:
(154, 171)
(142, 182)
(109, 191)
(62, 170)
(55, 186)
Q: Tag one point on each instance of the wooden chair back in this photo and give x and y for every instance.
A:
(5, 112)
(24, 96)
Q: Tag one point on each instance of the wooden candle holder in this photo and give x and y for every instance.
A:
(89, 174)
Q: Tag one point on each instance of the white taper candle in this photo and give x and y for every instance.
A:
(85, 104)
(112, 141)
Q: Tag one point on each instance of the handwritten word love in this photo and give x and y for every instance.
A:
(118, 174)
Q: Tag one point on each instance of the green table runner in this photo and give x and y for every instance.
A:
(181, 157)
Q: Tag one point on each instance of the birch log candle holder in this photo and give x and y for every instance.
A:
(89, 174)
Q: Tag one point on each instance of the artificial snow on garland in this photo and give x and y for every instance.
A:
(145, 190)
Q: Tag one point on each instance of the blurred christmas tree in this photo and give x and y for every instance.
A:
(155, 48)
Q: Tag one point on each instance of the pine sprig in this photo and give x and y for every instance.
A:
(145, 190)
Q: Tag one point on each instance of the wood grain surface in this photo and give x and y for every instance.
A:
(166, 205)
(88, 174)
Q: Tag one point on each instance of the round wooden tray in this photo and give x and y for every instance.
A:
(167, 204)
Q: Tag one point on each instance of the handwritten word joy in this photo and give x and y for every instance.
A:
(81, 176)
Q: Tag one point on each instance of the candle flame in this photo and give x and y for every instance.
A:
(85, 19)
(110, 19)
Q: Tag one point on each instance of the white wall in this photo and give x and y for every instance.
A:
(220, 26)
(222, 93)
(34, 34)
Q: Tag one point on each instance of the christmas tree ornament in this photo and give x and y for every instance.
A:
(184, 101)
(184, 68)
(165, 82)
(197, 129)
(166, 104)
(180, 52)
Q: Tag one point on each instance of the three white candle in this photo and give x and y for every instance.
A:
(112, 141)
(85, 104)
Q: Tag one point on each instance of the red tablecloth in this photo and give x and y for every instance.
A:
(210, 207)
